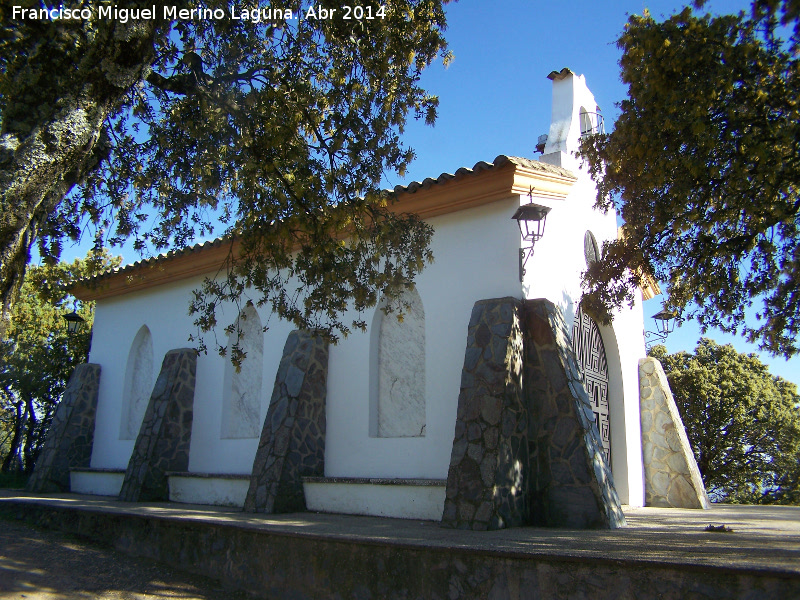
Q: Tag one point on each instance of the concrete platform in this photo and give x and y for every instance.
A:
(663, 553)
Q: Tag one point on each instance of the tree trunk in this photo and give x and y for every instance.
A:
(42, 158)
(31, 435)
(13, 449)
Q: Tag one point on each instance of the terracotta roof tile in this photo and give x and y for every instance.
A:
(410, 188)
(483, 166)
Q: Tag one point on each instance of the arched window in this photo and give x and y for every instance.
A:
(398, 401)
(241, 403)
(587, 127)
(139, 380)
(591, 122)
(591, 251)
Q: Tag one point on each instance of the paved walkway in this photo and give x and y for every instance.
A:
(763, 538)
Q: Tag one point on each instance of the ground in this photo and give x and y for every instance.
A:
(37, 564)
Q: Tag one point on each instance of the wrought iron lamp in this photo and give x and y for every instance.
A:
(531, 219)
(74, 322)
(665, 324)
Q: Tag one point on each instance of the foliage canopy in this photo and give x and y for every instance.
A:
(742, 422)
(703, 166)
(157, 128)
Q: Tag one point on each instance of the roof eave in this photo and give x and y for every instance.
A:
(467, 188)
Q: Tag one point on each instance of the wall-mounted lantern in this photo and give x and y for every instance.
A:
(74, 322)
(531, 219)
(665, 324)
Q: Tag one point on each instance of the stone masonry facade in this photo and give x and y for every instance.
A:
(166, 431)
(525, 449)
(572, 485)
(71, 434)
(672, 479)
(292, 444)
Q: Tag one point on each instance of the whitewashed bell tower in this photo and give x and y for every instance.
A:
(575, 114)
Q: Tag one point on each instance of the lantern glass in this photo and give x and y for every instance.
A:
(665, 321)
(531, 219)
(74, 322)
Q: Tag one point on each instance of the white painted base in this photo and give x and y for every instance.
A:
(229, 490)
(106, 482)
(401, 500)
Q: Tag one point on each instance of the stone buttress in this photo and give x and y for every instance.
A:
(71, 434)
(671, 476)
(571, 485)
(525, 449)
(165, 434)
(488, 478)
(292, 444)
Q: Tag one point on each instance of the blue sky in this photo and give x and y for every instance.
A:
(495, 97)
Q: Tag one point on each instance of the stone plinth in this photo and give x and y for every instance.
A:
(165, 435)
(572, 485)
(672, 479)
(420, 499)
(71, 434)
(215, 489)
(292, 444)
(487, 482)
(96, 482)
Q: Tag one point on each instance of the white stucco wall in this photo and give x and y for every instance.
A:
(475, 254)
(164, 309)
(475, 258)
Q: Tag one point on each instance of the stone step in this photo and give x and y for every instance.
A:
(96, 482)
(216, 489)
(421, 499)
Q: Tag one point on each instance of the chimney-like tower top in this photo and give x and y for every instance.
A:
(575, 114)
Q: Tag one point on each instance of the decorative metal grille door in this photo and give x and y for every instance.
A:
(591, 355)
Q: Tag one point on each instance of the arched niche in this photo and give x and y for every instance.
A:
(139, 380)
(241, 400)
(397, 370)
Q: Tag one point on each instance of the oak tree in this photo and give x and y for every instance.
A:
(38, 356)
(743, 423)
(275, 121)
(703, 166)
